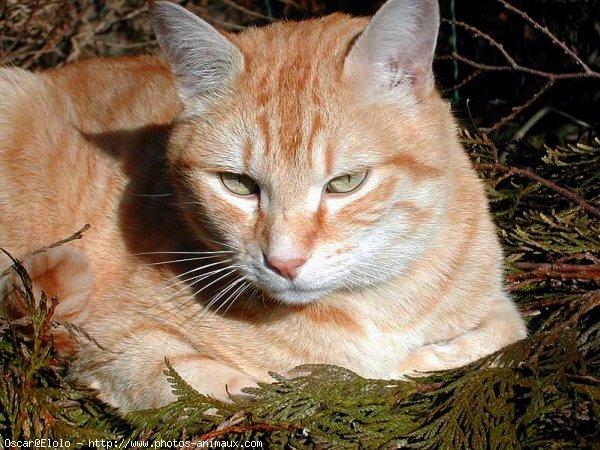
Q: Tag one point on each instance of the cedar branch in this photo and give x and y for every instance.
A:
(243, 429)
(531, 175)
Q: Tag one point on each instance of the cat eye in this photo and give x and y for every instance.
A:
(345, 183)
(239, 184)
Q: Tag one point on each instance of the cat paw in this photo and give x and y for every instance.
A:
(432, 358)
(212, 378)
(236, 386)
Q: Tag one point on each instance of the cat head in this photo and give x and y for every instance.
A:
(317, 150)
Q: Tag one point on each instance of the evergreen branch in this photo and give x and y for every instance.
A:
(244, 429)
(531, 175)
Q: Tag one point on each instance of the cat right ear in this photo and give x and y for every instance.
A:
(395, 51)
(203, 60)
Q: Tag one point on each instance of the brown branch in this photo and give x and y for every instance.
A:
(538, 272)
(486, 37)
(583, 378)
(243, 429)
(247, 11)
(465, 81)
(74, 237)
(542, 276)
(534, 307)
(516, 110)
(531, 175)
(513, 66)
(205, 14)
(546, 267)
(520, 68)
(25, 27)
(292, 3)
(551, 36)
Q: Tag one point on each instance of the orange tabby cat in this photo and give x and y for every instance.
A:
(292, 194)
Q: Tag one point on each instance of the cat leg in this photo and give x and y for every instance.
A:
(501, 326)
(61, 273)
(131, 374)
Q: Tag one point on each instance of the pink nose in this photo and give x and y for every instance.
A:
(287, 268)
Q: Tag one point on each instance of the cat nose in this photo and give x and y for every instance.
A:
(287, 268)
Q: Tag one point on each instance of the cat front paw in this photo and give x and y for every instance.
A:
(212, 378)
(235, 387)
(434, 357)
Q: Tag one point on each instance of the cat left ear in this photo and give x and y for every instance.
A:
(397, 46)
(203, 59)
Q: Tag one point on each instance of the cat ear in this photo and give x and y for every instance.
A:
(202, 58)
(397, 46)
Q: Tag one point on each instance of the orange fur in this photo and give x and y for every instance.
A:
(402, 275)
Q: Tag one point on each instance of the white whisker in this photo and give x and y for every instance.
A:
(182, 253)
(235, 296)
(196, 269)
(222, 293)
(210, 284)
(183, 260)
(223, 244)
(197, 280)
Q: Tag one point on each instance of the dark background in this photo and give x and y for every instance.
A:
(47, 33)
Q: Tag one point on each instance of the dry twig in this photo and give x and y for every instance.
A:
(557, 271)
(513, 66)
(530, 174)
(74, 237)
(516, 110)
(247, 11)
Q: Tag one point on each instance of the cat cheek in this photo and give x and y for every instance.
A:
(229, 221)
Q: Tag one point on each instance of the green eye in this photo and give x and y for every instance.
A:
(239, 184)
(345, 183)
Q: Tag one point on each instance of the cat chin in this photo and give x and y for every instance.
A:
(300, 297)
